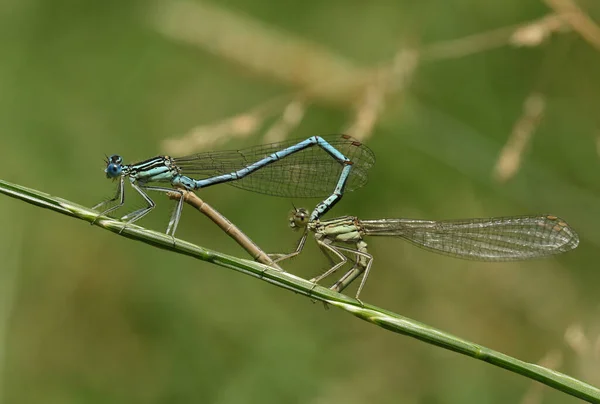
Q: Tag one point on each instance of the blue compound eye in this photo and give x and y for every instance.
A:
(114, 166)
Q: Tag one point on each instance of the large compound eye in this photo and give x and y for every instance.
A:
(300, 218)
(114, 167)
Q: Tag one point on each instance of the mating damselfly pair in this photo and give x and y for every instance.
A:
(326, 167)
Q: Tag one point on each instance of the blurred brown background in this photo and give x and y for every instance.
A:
(472, 108)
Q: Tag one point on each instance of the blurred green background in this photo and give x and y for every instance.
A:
(87, 317)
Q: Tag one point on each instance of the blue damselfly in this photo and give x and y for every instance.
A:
(315, 167)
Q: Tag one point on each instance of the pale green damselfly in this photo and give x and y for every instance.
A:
(509, 238)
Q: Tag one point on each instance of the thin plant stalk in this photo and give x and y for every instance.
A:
(383, 318)
(229, 228)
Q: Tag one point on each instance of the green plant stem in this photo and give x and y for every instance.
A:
(383, 318)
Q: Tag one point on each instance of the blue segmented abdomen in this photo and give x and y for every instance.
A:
(308, 172)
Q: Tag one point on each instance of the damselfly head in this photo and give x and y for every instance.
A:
(114, 166)
(299, 218)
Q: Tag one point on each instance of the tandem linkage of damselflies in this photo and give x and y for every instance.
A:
(326, 167)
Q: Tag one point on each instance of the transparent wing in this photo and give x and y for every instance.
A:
(489, 239)
(309, 173)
